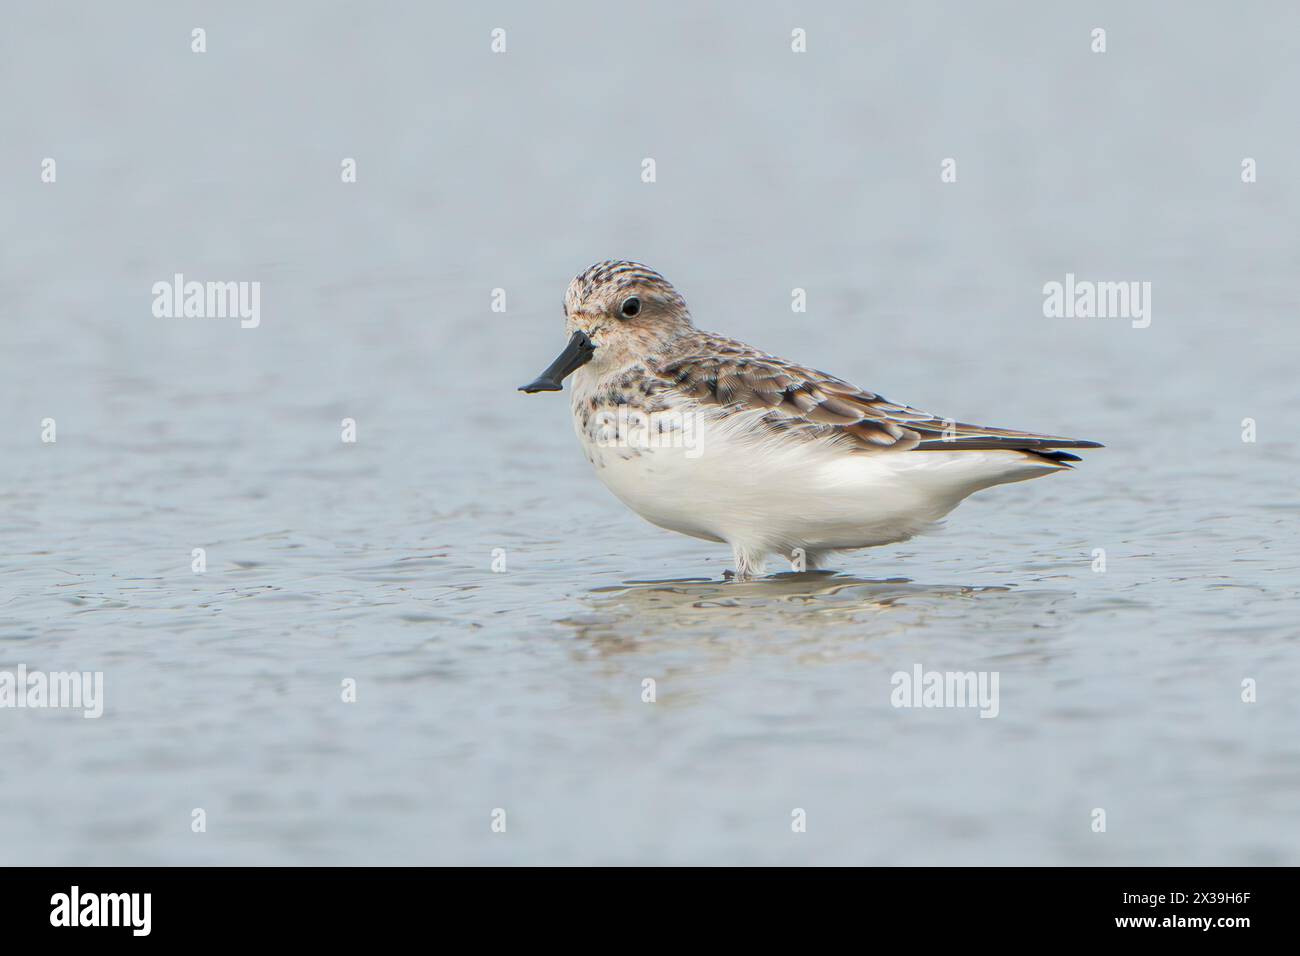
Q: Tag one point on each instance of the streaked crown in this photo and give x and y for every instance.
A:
(610, 282)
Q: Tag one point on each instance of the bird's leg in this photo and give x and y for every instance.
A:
(748, 562)
(816, 560)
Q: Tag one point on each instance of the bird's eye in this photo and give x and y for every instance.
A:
(631, 307)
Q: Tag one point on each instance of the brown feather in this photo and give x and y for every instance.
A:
(723, 372)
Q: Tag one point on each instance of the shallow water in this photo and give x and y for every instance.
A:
(522, 690)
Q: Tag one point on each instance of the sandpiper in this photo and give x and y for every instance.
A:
(707, 436)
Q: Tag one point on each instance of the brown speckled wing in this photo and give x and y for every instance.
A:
(728, 374)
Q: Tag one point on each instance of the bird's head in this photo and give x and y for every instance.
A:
(615, 312)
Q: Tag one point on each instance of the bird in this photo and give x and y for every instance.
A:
(712, 438)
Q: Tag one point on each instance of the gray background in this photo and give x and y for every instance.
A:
(522, 690)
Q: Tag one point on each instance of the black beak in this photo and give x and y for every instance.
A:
(575, 355)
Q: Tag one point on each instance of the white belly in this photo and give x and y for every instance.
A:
(777, 494)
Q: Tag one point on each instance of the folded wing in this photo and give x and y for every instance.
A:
(811, 404)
